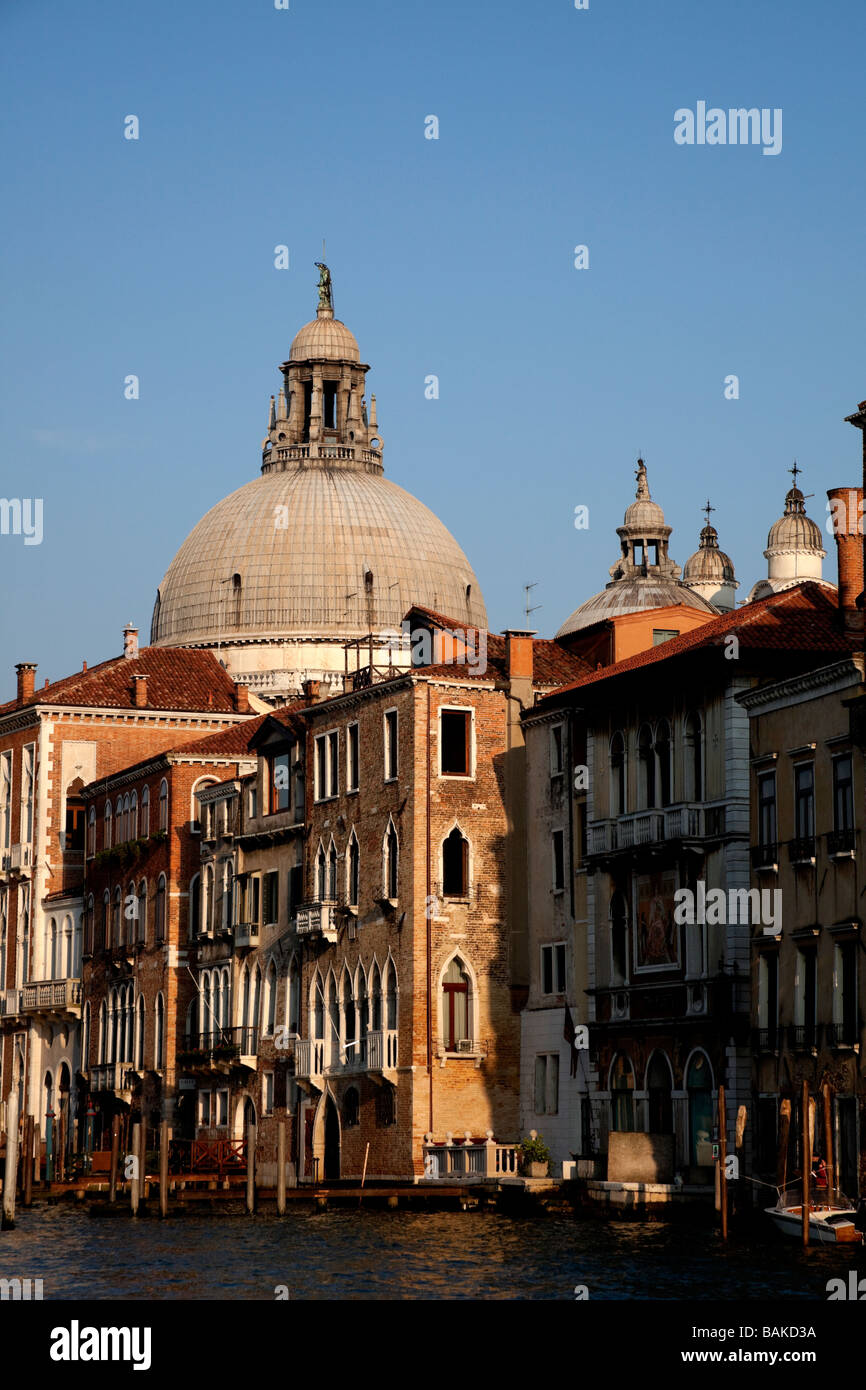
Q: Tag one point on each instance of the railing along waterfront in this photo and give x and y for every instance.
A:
(467, 1159)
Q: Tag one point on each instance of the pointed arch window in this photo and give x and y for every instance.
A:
(455, 865)
(321, 874)
(163, 805)
(130, 910)
(89, 925)
(116, 929)
(349, 1021)
(142, 910)
(269, 1012)
(159, 917)
(455, 1007)
(119, 835)
(376, 1000)
(133, 816)
(159, 1034)
(127, 833)
(139, 1033)
(332, 871)
(207, 920)
(391, 862)
(91, 832)
(293, 997)
(106, 831)
(617, 775)
(353, 870)
(318, 1008)
(145, 812)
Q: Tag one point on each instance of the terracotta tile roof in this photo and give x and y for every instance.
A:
(226, 743)
(802, 619)
(180, 678)
(552, 664)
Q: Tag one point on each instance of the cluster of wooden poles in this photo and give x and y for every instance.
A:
(807, 1125)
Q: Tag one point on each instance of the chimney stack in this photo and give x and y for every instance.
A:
(846, 510)
(311, 691)
(242, 698)
(139, 691)
(518, 654)
(26, 672)
(130, 642)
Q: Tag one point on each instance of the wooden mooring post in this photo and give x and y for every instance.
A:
(828, 1137)
(806, 1164)
(163, 1168)
(723, 1162)
(27, 1195)
(251, 1169)
(10, 1172)
(137, 1175)
(281, 1167)
(115, 1153)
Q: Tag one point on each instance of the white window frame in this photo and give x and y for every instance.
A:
(331, 740)
(551, 1092)
(353, 765)
(553, 946)
(554, 770)
(387, 744)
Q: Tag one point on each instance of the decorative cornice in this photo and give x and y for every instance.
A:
(827, 678)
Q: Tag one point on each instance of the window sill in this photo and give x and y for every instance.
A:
(456, 776)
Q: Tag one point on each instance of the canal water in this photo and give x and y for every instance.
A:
(349, 1255)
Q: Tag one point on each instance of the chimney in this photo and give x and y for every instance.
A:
(311, 691)
(26, 672)
(518, 654)
(139, 691)
(242, 698)
(846, 511)
(130, 642)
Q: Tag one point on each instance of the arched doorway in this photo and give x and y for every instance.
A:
(658, 1085)
(332, 1141)
(699, 1086)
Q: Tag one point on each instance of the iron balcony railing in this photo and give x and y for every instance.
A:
(765, 856)
(840, 841)
(219, 1045)
(802, 850)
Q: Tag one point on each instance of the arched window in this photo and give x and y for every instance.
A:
(159, 916)
(455, 865)
(694, 763)
(663, 754)
(106, 832)
(658, 1084)
(163, 805)
(699, 1088)
(617, 775)
(85, 1036)
(618, 939)
(194, 906)
(130, 911)
(391, 854)
(51, 949)
(332, 871)
(376, 1000)
(145, 812)
(142, 910)
(127, 835)
(129, 1030)
(293, 999)
(455, 1006)
(255, 1003)
(332, 1023)
(119, 835)
(622, 1095)
(133, 816)
(647, 768)
(89, 926)
(321, 874)
(390, 995)
(116, 919)
(228, 891)
(361, 1011)
(102, 934)
(348, 1019)
(91, 832)
(102, 1041)
(318, 1009)
(353, 871)
(269, 1013)
(159, 1034)
(351, 1108)
(139, 1033)
(225, 997)
(207, 920)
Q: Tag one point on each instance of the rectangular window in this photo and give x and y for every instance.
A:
(271, 897)
(254, 802)
(556, 750)
(768, 999)
(6, 799)
(268, 1093)
(294, 889)
(280, 782)
(843, 793)
(222, 1109)
(664, 634)
(558, 847)
(255, 899)
(767, 808)
(27, 782)
(204, 1108)
(352, 758)
(455, 742)
(326, 765)
(804, 798)
(390, 722)
(846, 1024)
(553, 968)
(547, 1083)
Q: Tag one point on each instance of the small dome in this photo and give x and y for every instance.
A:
(708, 564)
(632, 596)
(326, 337)
(795, 530)
(644, 515)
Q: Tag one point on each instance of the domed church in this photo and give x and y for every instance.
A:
(795, 549)
(319, 551)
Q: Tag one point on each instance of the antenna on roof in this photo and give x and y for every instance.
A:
(526, 607)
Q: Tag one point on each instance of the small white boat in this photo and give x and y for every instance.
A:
(831, 1217)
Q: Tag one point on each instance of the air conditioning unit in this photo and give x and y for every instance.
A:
(464, 1045)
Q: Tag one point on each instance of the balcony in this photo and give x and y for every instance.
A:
(317, 919)
(457, 1159)
(803, 1037)
(840, 844)
(220, 1049)
(766, 1039)
(118, 1077)
(684, 821)
(801, 852)
(246, 935)
(843, 1036)
(376, 1052)
(765, 857)
(20, 859)
(61, 998)
(10, 1003)
(310, 1061)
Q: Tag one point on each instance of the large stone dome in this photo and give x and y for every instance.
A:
(312, 552)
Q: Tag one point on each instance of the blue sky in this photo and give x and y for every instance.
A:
(451, 257)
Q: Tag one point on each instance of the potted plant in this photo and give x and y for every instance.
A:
(534, 1156)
